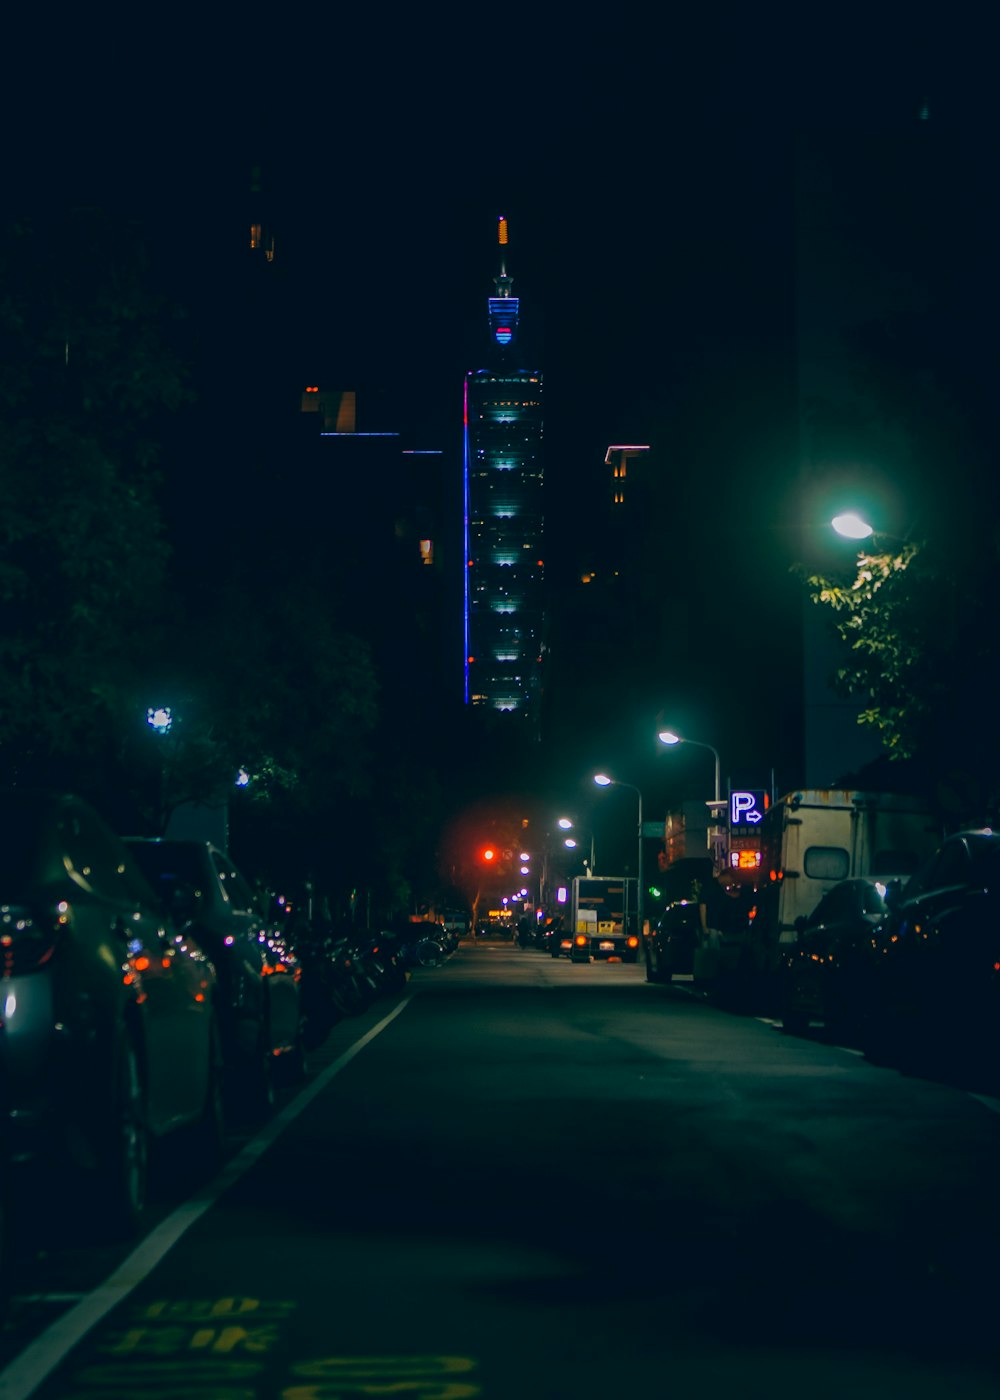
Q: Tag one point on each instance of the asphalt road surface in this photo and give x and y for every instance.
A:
(531, 1180)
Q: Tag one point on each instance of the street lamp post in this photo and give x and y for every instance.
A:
(602, 780)
(670, 738)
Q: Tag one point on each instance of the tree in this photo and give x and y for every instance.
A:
(918, 624)
(87, 379)
(917, 616)
(261, 677)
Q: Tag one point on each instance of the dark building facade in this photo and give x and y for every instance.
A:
(374, 527)
(505, 601)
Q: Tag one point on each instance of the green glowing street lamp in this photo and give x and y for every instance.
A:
(159, 718)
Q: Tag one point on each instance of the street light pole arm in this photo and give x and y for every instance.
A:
(667, 736)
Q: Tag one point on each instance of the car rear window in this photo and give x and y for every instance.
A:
(166, 865)
(895, 862)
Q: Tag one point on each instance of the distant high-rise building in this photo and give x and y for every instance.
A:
(505, 606)
(364, 508)
(261, 233)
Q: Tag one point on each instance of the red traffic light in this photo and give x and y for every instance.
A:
(489, 853)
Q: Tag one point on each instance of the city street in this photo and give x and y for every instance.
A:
(533, 1180)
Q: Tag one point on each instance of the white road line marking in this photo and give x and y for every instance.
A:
(41, 1357)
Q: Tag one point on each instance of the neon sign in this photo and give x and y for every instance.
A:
(746, 809)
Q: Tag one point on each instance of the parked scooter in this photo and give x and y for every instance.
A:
(336, 980)
(380, 962)
(340, 977)
(419, 944)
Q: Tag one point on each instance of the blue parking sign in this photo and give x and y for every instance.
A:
(746, 810)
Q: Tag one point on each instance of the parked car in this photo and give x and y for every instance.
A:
(561, 942)
(935, 999)
(669, 946)
(110, 1030)
(261, 1014)
(7, 1267)
(826, 974)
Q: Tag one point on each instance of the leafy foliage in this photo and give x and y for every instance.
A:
(918, 624)
(86, 380)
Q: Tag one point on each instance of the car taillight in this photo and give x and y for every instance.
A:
(28, 940)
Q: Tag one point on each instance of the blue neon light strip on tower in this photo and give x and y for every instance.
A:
(468, 585)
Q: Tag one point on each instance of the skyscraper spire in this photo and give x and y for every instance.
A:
(504, 307)
(504, 283)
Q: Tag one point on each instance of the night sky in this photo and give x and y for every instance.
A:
(647, 171)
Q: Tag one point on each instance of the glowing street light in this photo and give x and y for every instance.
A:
(855, 527)
(159, 718)
(852, 526)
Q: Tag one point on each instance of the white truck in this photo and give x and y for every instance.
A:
(810, 841)
(603, 914)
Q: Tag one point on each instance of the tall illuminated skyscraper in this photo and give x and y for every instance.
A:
(505, 606)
